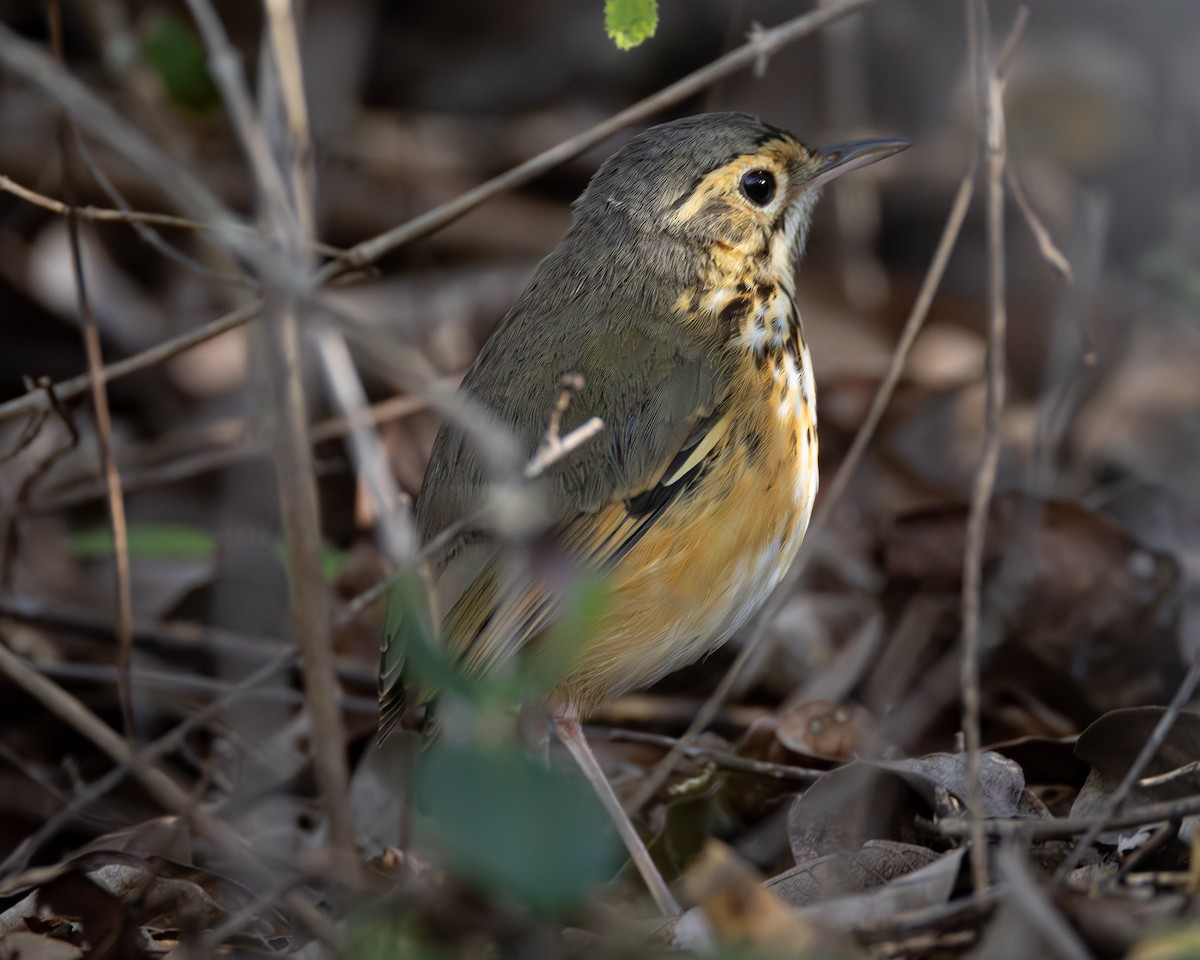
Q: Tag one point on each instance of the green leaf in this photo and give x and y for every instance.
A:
(177, 56)
(516, 827)
(151, 541)
(630, 22)
(178, 541)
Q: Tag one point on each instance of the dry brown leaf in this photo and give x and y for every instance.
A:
(741, 911)
(829, 731)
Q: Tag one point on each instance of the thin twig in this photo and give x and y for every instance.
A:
(397, 534)
(238, 440)
(96, 214)
(1008, 50)
(150, 236)
(74, 387)
(294, 463)
(1187, 770)
(33, 427)
(720, 758)
(1066, 370)
(554, 445)
(1046, 245)
(1058, 828)
(995, 156)
(287, 81)
(225, 64)
(131, 217)
(103, 418)
(179, 682)
(393, 521)
(1034, 906)
(285, 85)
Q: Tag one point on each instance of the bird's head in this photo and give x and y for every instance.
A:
(727, 185)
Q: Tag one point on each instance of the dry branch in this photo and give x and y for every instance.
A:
(103, 417)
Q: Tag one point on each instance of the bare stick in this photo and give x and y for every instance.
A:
(97, 214)
(103, 419)
(1008, 49)
(995, 156)
(8, 515)
(397, 534)
(718, 758)
(1046, 245)
(309, 591)
(293, 454)
(1187, 770)
(148, 235)
(226, 66)
(66, 390)
(237, 440)
(1057, 828)
(393, 522)
(131, 217)
(1037, 910)
(554, 445)
(287, 81)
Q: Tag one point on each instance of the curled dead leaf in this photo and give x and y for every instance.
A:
(826, 730)
(742, 912)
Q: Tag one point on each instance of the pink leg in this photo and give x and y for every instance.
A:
(566, 724)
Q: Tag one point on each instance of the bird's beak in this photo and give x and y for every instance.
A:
(850, 156)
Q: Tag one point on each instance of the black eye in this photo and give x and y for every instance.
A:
(759, 186)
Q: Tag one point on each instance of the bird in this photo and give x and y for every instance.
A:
(670, 303)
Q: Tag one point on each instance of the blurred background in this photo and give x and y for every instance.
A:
(1094, 545)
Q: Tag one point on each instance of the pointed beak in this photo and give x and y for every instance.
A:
(850, 156)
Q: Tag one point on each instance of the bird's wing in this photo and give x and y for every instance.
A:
(663, 412)
(500, 608)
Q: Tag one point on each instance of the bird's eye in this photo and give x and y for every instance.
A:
(758, 186)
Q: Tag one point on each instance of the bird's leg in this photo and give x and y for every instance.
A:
(566, 725)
